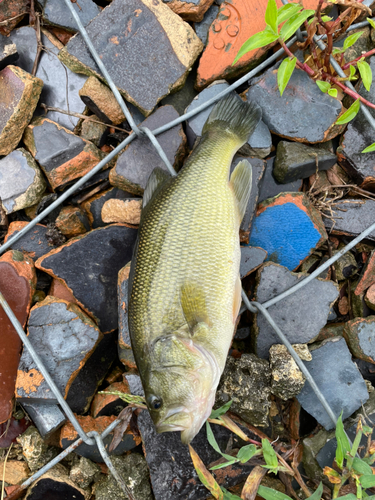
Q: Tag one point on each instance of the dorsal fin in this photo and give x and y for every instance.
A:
(193, 305)
(155, 183)
(240, 180)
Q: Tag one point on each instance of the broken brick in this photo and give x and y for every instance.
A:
(89, 265)
(351, 217)
(20, 94)
(297, 161)
(47, 418)
(128, 211)
(156, 47)
(235, 23)
(15, 472)
(101, 101)
(105, 405)
(370, 297)
(64, 347)
(359, 334)
(54, 12)
(251, 259)
(17, 284)
(96, 133)
(344, 388)
(301, 104)
(34, 243)
(60, 90)
(139, 159)
(12, 11)
(270, 187)
(300, 316)
(189, 10)
(72, 221)
(289, 228)
(59, 290)
(62, 155)
(21, 181)
(69, 435)
(93, 206)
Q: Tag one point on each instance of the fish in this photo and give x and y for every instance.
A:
(184, 282)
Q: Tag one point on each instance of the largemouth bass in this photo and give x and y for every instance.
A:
(184, 284)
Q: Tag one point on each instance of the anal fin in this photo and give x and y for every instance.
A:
(240, 181)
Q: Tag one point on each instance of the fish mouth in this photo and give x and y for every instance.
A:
(176, 419)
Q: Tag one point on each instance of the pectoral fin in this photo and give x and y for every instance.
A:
(155, 183)
(240, 181)
(193, 305)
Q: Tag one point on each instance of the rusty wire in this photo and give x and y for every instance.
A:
(93, 438)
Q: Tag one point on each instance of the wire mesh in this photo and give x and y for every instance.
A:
(93, 438)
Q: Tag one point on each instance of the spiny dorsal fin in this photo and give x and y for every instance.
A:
(193, 305)
(155, 182)
(240, 180)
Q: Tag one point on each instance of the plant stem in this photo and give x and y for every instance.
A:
(351, 93)
(352, 63)
(303, 66)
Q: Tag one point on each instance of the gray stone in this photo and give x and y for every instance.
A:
(64, 339)
(60, 83)
(301, 104)
(247, 382)
(201, 29)
(46, 417)
(339, 380)
(135, 384)
(258, 167)
(251, 259)
(89, 265)
(35, 450)
(94, 132)
(84, 472)
(297, 161)
(351, 217)
(147, 59)
(139, 159)
(287, 379)
(21, 181)
(134, 471)
(55, 13)
(8, 52)
(183, 97)
(270, 187)
(260, 141)
(300, 316)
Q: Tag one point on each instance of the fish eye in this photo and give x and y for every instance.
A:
(155, 402)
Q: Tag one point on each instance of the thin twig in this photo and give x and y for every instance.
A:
(352, 63)
(39, 43)
(79, 115)
(8, 21)
(4, 466)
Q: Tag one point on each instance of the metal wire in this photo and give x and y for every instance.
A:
(93, 437)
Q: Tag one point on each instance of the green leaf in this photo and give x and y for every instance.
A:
(324, 86)
(367, 430)
(367, 481)
(349, 496)
(220, 411)
(326, 19)
(246, 452)
(370, 149)
(361, 466)
(343, 445)
(271, 15)
(287, 11)
(371, 459)
(371, 21)
(269, 453)
(317, 493)
(285, 72)
(337, 51)
(349, 114)
(215, 446)
(332, 92)
(366, 74)
(256, 41)
(352, 72)
(228, 495)
(292, 24)
(351, 39)
(224, 464)
(270, 494)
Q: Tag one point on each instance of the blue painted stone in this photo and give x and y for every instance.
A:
(288, 228)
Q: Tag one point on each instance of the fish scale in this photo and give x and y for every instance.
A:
(184, 285)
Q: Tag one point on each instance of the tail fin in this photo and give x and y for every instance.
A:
(235, 116)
